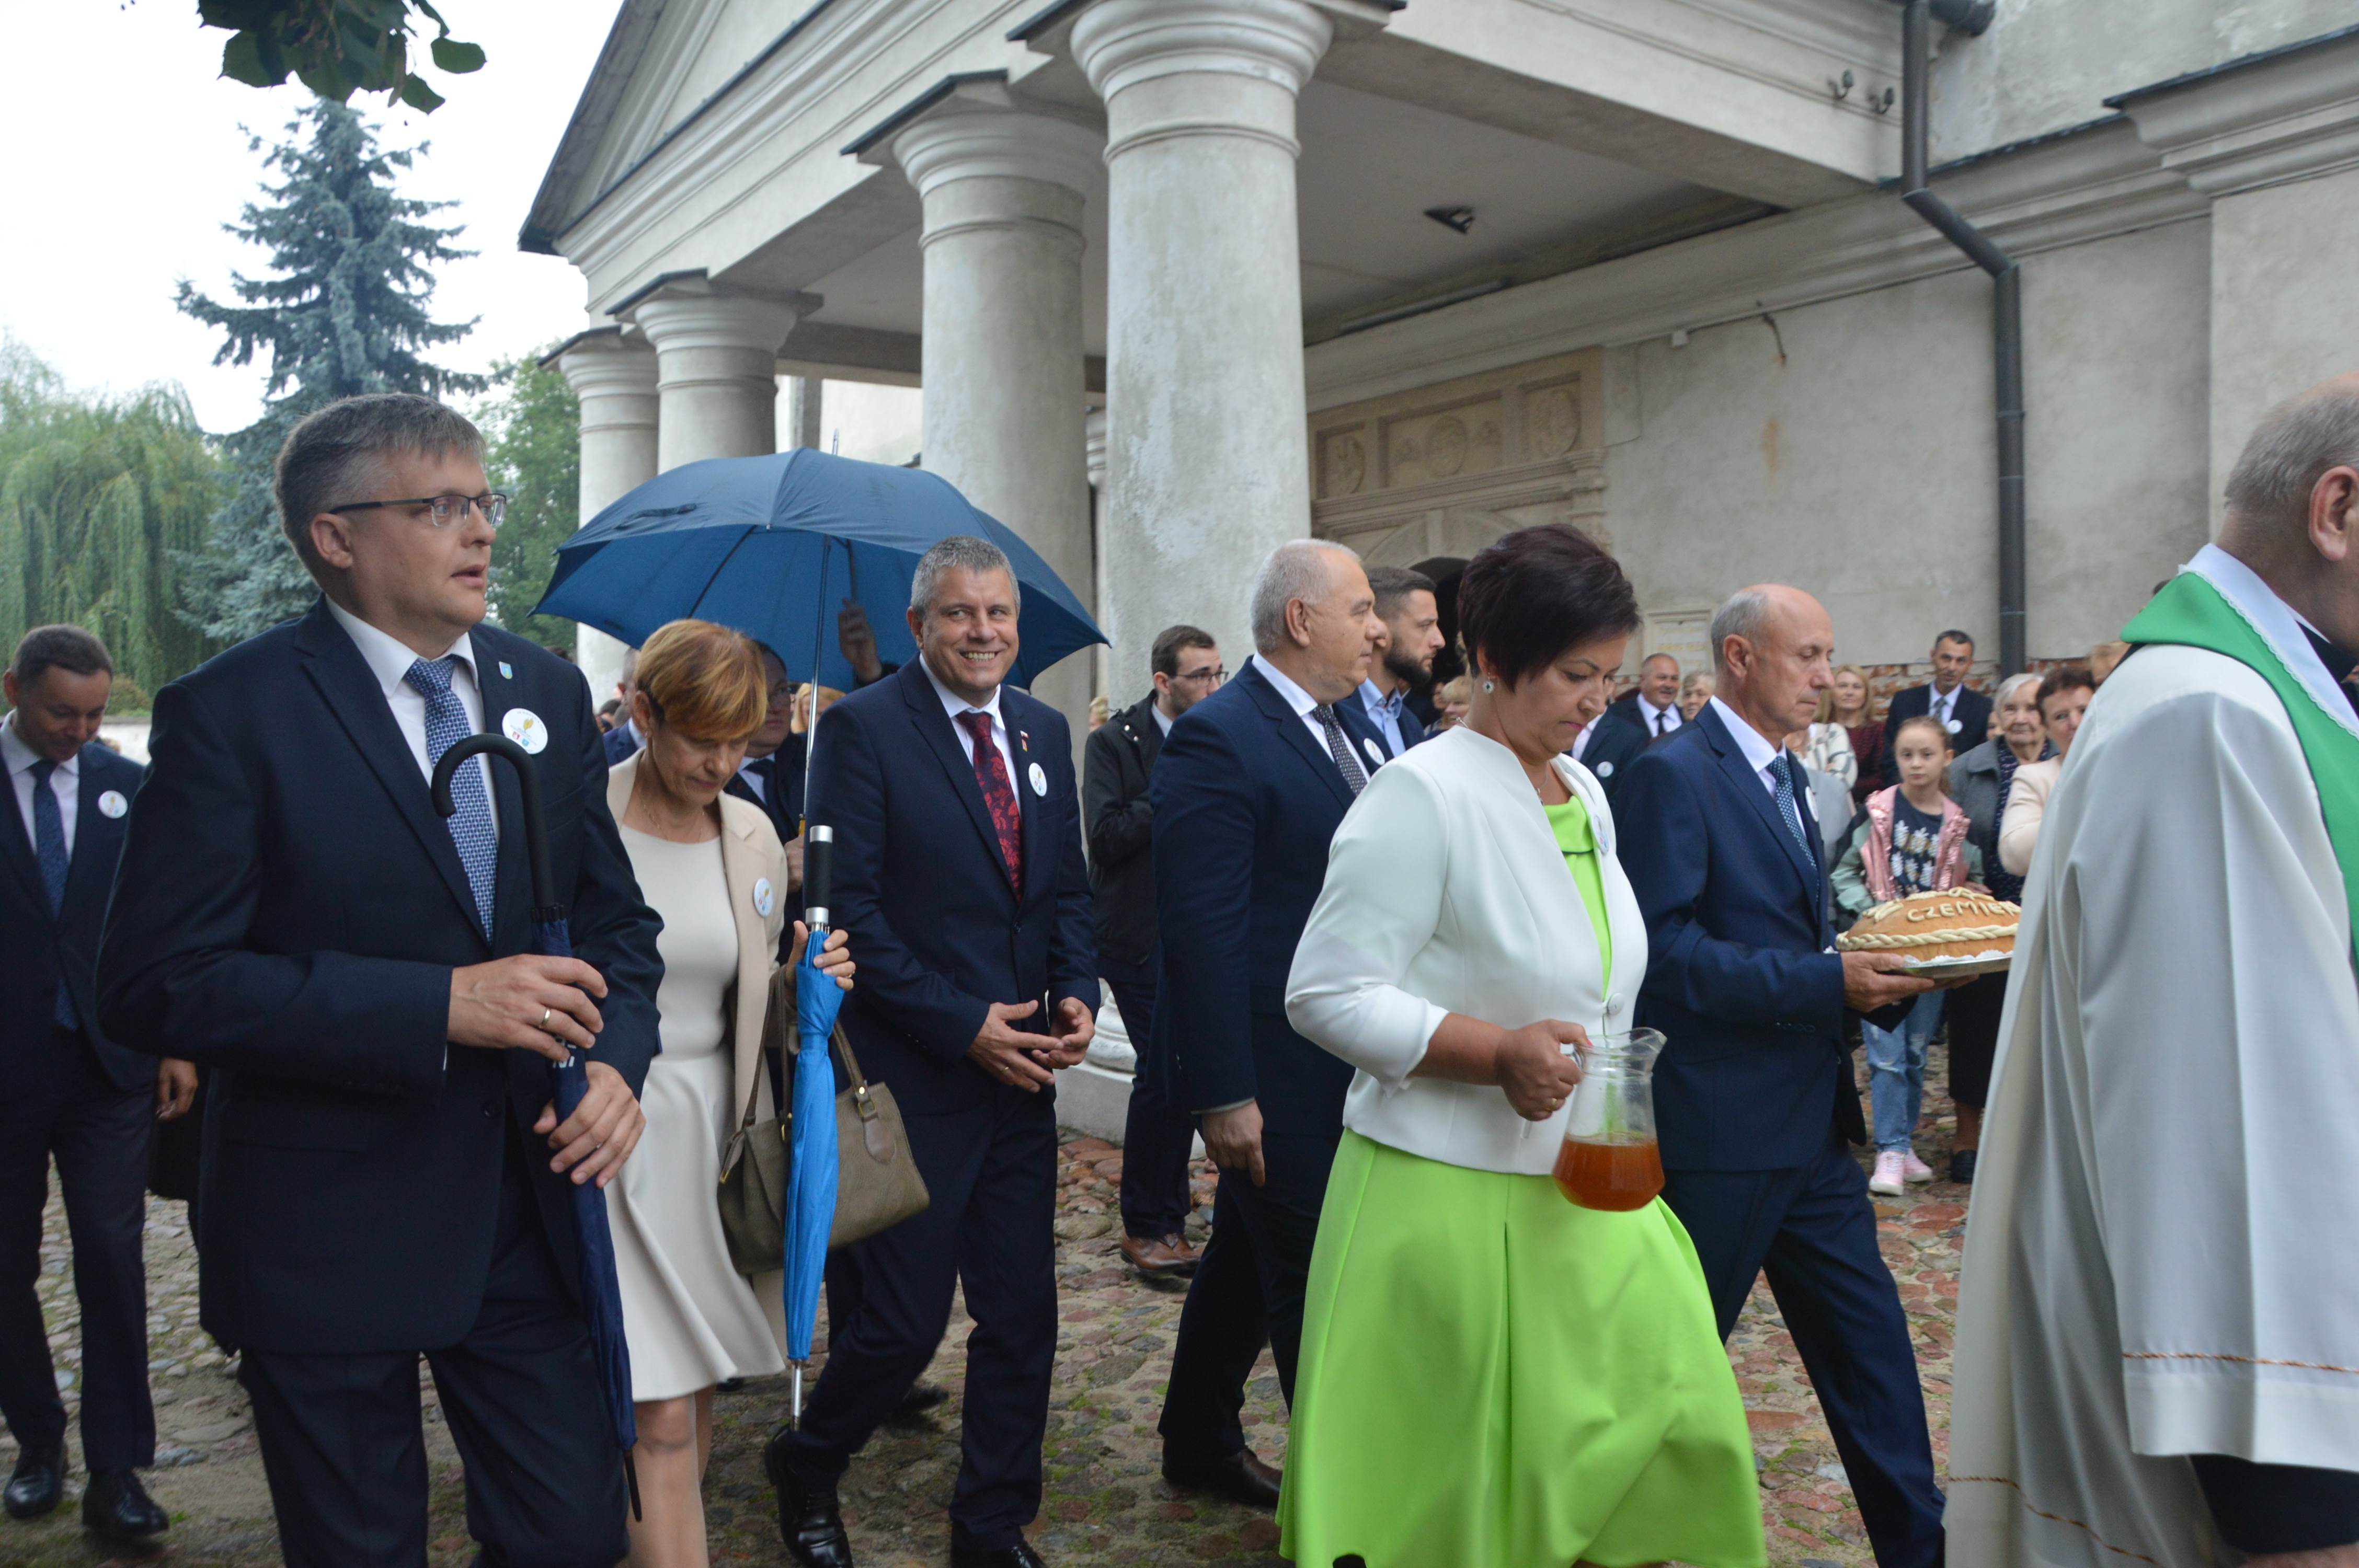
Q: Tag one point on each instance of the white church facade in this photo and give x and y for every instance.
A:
(1175, 280)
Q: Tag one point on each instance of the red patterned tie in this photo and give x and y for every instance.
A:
(998, 795)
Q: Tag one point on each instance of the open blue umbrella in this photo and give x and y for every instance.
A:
(602, 1297)
(771, 547)
(810, 1178)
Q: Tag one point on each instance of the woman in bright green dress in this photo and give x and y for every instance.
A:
(1492, 1376)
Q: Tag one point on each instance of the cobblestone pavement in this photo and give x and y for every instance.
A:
(1106, 1503)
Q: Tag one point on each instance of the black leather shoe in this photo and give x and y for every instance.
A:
(922, 1398)
(1238, 1476)
(1961, 1167)
(117, 1506)
(38, 1483)
(808, 1523)
(1019, 1555)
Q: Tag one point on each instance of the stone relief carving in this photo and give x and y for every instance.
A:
(1551, 422)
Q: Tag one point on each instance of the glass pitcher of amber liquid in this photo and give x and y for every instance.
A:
(1610, 1160)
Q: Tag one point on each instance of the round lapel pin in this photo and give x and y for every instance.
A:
(112, 803)
(1375, 753)
(1604, 769)
(1039, 776)
(764, 898)
(524, 727)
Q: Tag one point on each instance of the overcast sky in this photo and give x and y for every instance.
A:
(126, 156)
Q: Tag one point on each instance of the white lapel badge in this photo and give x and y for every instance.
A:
(524, 727)
(1039, 776)
(1604, 769)
(1954, 725)
(1376, 754)
(112, 803)
(507, 670)
(765, 899)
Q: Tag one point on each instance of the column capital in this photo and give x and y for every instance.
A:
(1121, 43)
(605, 362)
(967, 139)
(695, 315)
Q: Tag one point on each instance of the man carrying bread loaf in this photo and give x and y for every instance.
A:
(2157, 1350)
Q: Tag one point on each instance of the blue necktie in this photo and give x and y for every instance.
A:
(49, 849)
(1788, 807)
(471, 826)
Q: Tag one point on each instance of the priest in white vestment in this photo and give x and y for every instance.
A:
(2157, 1345)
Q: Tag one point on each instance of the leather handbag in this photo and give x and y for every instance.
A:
(876, 1184)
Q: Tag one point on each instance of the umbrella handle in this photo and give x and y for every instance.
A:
(818, 876)
(536, 830)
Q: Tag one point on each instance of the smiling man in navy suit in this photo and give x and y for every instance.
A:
(72, 1093)
(1755, 1099)
(384, 1177)
(959, 875)
(1251, 786)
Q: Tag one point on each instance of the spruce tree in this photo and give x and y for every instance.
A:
(346, 311)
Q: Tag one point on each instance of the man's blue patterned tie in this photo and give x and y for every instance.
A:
(49, 849)
(471, 826)
(1786, 807)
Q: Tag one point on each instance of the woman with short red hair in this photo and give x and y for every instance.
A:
(711, 866)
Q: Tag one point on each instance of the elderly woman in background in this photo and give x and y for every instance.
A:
(711, 866)
(2064, 694)
(1492, 1376)
(1694, 692)
(1980, 782)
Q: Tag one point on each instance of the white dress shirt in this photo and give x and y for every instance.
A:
(1162, 720)
(1666, 717)
(1759, 753)
(1303, 703)
(65, 782)
(1944, 707)
(389, 659)
(954, 705)
(1580, 741)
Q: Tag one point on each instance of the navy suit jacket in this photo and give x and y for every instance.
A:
(783, 803)
(937, 929)
(1739, 975)
(287, 913)
(1619, 739)
(618, 744)
(40, 951)
(1972, 713)
(1245, 802)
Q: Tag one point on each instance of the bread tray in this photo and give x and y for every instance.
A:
(1959, 968)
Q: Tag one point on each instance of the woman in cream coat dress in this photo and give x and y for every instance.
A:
(711, 867)
(1492, 1376)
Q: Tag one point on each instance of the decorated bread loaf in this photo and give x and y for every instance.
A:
(1926, 925)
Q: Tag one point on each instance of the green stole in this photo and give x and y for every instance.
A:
(2193, 613)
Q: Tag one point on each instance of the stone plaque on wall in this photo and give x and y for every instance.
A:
(1680, 632)
(1443, 470)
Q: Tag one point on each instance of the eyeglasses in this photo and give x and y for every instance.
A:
(444, 510)
(1203, 678)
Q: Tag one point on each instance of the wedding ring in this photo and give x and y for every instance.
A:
(544, 1019)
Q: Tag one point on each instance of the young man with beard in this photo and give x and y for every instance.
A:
(1117, 761)
(1412, 618)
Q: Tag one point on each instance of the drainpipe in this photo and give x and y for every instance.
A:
(1971, 16)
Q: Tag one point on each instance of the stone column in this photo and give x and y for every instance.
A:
(615, 378)
(716, 369)
(1002, 364)
(1206, 454)
(1093, 463)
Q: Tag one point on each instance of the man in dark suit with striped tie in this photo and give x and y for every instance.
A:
(772, 775)
(960, 878)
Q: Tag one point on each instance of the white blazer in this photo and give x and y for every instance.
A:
(1446, 893)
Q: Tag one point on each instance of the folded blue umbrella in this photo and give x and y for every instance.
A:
(552, 934)
(810, 1178)
(773, 546)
